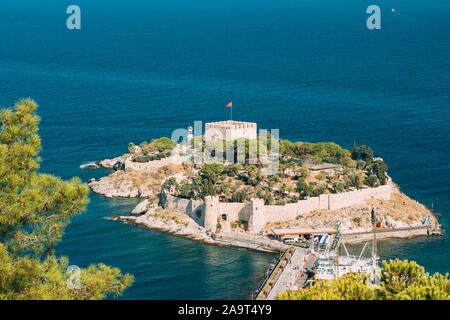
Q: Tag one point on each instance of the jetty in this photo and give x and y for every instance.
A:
(254, 242)
(290, 272)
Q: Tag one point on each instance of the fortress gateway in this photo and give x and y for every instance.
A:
(230, 130)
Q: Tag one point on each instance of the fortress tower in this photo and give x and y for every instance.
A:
(229, 130)
(211, 214)
(256, 219)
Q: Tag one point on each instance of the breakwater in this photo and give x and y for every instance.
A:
(407, 232)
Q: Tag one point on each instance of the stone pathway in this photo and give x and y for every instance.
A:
(292, 273)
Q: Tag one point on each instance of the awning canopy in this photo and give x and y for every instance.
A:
(302, 231)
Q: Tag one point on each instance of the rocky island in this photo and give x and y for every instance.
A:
(220, 200)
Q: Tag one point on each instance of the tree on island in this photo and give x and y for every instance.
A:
(339, 187)
(399, 280)
(355, 151)
(35, 208)
(301, 186)
(131, 147)
(355, 180)
(379, 168)
(211, 171)
(371, 181)
(162, 144)
(366, 154)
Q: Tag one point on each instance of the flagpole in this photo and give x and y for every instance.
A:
(230, 105)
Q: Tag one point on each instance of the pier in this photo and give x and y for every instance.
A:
(294, 274)
(289, 273)
(254, 242)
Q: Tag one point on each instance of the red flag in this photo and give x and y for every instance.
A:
(230, 104)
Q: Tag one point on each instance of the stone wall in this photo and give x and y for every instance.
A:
(291, 210)
(341, 200)
(257, 214)
(151, 164)
(194, 208)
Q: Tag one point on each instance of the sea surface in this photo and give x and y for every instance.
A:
(137, 70)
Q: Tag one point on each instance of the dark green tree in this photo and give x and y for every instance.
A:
(371, 181)
(339, 187)
(355, 151)
(35, 208)
(320, 189)
(355, 180)
(301, 186)
(379, 168)
(211, 171)
(239, 196)
(162, 144)
(366, 154)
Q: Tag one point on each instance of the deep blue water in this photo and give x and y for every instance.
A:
(138, 70)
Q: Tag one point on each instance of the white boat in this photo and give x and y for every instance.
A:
(326, 265)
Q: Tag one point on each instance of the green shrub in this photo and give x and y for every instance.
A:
(371, 181)
(355, 180)
(304, 172)
(320, 189)
(301, 186)
(162, 144)
(321, 176)
(239, 196)
(339, 187)
(140, 157)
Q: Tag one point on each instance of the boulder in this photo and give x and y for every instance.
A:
(151, 208)
(141, 207)
(111, 190)
(144, 193)
(107, 163)
(91, 165)
(110, 163)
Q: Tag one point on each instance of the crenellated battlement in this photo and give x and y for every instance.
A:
(230, 130)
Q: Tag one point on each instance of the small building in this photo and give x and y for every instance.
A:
(304, 233)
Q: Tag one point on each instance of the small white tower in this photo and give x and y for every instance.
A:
(190, 134)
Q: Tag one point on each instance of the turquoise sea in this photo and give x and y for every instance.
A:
(138, 69)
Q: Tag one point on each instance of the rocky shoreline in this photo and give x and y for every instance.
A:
(147, 221)
(398, 212)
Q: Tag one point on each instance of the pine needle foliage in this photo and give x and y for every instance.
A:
(35, 208)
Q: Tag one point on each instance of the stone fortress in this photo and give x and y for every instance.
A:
(211, 212)
(256, 214)
(229, 130)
